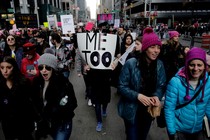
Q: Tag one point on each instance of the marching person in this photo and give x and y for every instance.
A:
(137, 49)
(141, 84)
(62, 54)
(29, 64)
(54, 100)
(15, 103)
(13, 49)
(188, 99)
(173, 54)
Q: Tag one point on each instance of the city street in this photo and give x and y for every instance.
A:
(84, 122)
(113, 127)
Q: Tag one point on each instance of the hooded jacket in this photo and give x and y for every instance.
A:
(188, 119)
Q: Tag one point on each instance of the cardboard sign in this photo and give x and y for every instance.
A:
(116, 23)
(133, 34)
(52, 21)
(97, 49)
(67, 24)
(26, 20)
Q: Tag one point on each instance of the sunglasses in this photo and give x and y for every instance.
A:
(41, 67)
(12, 39)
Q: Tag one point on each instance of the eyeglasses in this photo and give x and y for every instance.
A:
(12, 39)
(41, 67)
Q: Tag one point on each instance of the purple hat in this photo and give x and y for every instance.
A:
(149, 39)
(194, 53)
(173, 34)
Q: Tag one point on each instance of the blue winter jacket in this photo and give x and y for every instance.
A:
(188, 119)
(130, 84)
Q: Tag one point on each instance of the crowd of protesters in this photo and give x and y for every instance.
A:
(36, 92)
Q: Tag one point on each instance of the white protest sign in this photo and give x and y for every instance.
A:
(52, 21)
(116, 23)
(124, 56)
(97, 49)
(67, 24)
(133, 34)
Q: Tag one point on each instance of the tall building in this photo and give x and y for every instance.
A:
(82, 13)
(6, 13)
(167, 11)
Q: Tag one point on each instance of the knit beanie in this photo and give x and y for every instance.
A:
(173, 34)
(149, 39)
(49, 60)
(29, 48)
(194, 53)
(49, 50)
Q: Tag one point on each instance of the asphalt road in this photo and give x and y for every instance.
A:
(113, 126)
(84, 122)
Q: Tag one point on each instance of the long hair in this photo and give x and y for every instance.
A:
(7, 50)
(148, 74)
(123, 49)
(16, 75)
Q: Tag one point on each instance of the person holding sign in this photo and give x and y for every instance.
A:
(126, 47)
(141, 85)
(98, 49)
(137, 49)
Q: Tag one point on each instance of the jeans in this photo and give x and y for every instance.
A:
(140, 128)
(98, 111)
(63, 132)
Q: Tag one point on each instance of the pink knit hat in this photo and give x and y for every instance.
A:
(149, 39)
(173, 34)
(194, 53)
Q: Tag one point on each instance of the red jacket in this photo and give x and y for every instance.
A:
(30, 64)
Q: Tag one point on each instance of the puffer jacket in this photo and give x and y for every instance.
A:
(130, 84)
(188, 119)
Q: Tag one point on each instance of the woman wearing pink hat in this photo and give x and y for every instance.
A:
(141, 84)
(172, 54)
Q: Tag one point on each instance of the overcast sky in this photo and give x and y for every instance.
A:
(92, 5)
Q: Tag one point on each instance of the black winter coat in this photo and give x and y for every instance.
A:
(16, 109)
(58, 88)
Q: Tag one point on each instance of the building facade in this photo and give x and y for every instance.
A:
(167, 11)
